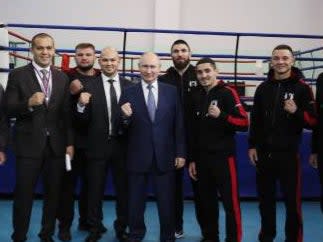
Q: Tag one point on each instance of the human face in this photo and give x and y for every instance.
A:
(149, 67)
(109, 62)
(43, 51)
(282, 62)
(206, 75)
(85, 58)
(181, 56)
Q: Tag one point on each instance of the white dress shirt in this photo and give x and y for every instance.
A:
(106, 86)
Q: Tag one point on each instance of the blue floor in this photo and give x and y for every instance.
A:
(313, 223)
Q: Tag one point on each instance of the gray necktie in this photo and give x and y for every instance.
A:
(151, 105)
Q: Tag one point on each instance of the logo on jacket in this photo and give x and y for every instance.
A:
(192, 84)
(289, 96)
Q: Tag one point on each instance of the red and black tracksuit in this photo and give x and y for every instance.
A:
(276, 135)
(317, 137)
(214, 155)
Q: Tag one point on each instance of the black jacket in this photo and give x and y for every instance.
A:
(274, 129)
(79, 128)
(4, 129)
(317, 138)
(32, 126)
(187, 85)
(95, 118)
(216, 135)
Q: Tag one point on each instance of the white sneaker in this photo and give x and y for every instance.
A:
(179, 234)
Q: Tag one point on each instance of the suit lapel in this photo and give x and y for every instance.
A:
(161, 102)
(33, 81)
(142, 102)
(102, 97)
(55, 87)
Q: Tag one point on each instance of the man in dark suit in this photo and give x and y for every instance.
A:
(37, 96)
(3, 129)
(98, 108)
(153, 117)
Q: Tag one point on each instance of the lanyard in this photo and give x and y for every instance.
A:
(46, 91)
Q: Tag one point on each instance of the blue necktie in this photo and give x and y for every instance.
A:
(151, 105)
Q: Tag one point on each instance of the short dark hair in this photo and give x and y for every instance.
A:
(206, 60)
(284, 47)
(84, 46)
(178, 42)
(40, 36)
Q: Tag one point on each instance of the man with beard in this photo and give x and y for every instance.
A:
(183, 76)
(79, 77)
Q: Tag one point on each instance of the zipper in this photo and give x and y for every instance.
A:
(275, 106)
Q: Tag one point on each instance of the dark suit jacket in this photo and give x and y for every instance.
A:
(4, 129)
(31, 125)
(95, 118)
(161, 140)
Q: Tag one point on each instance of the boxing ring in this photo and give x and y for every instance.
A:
(242, 69)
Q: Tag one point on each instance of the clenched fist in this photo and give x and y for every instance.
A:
(36, 99)
(290, 106)
(214, 111)
(126, 109)
(84, 98)
(76, 86)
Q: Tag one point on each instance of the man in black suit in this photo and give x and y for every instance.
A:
(3, 130)
(98, 108)
(37, 96)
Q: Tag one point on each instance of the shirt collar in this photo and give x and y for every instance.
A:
(39, 68)
(154, 84)
(106, 78)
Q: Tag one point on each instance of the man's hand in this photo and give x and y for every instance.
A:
(179, 162)
(290, 106)
(126, 110)
(214, 111)
(2, 158)
(313, 160)
(36, 99)
(84, 98)
(76, 87)
(253, 156)
(70, 151)
(192, 170)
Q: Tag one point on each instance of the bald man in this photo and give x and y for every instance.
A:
(153, 118)
(98, 110)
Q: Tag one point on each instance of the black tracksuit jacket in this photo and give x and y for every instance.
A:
(187, 86)
(317, 138)
(216, 135)
(272, 128)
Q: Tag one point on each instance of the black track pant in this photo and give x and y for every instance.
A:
(285, 168)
